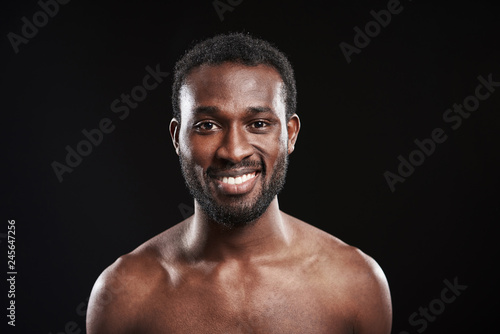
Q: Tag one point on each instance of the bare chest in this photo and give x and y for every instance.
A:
(248, 305)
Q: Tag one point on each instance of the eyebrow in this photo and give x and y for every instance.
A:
(213, 109)
(260, 110)
(205, 110)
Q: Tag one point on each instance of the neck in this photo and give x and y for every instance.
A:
(208, 240)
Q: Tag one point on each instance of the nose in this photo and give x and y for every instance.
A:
(234, 146)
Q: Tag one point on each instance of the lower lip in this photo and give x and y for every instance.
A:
(237, 189)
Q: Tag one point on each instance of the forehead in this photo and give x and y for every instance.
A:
(232, 86)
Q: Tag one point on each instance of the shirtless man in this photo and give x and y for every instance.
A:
(239, 264)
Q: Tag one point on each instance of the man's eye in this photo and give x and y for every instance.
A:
(259, 124)
(205, 126)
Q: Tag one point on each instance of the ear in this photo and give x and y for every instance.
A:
(293, 128)
(174, 128)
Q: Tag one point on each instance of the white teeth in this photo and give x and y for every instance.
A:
(238, 179)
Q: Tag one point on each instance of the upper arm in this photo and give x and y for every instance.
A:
(373, 304)
(112, 304)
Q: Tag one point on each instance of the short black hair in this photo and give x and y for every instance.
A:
(238, 48)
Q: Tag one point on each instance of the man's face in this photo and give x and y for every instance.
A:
(234, 140)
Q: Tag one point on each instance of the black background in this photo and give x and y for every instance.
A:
(357, 118)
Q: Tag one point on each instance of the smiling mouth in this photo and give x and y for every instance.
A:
(236, 182)
(237, 179)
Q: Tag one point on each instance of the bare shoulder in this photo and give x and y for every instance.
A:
(124, 289)
(359, 280)
(344, 256)
(328, 245)
(368, 291)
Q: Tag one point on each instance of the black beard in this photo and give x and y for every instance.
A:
(237, 213)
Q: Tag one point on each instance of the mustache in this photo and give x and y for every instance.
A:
(228, 166)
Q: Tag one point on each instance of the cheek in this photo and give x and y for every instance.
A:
(280, 141)
(275, 140)
(273, 150)
(197, 150)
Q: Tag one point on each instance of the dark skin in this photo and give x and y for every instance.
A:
(275, 275)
